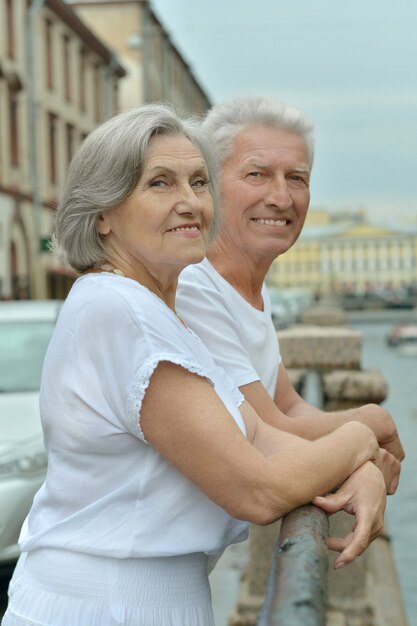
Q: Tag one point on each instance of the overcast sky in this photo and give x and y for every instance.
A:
(351, 65)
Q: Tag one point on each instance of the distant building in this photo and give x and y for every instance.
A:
(57, 82)
(350, 257)
(156, 68)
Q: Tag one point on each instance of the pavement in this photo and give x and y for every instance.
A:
(224, 581)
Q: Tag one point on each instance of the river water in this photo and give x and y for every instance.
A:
(399, 368)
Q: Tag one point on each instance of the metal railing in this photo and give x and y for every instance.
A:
(296, 592)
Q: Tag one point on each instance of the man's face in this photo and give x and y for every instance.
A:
(264, 192)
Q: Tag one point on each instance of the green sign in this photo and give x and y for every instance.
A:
(44, 244)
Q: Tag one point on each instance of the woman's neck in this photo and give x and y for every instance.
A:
(164, 288)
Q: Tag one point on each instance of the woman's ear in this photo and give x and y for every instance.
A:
(103, 225)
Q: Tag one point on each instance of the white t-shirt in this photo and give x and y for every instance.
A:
(107, 491)
(241, 339)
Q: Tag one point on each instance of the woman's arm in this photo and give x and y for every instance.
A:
(259, 478)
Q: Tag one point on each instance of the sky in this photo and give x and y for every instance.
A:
(351, 65)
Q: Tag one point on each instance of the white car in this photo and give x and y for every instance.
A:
(25, 330)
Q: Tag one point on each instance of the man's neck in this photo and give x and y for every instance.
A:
(244, 274)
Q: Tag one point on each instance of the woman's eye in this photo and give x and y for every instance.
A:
(158, 182)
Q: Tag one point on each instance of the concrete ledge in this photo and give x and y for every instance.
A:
(319, 347)
(353, 388)
(382, 585)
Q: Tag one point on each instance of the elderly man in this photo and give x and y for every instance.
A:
(265, 150)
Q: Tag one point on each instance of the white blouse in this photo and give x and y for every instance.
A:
(108, 492)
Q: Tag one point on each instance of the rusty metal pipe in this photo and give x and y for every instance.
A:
(296, 592)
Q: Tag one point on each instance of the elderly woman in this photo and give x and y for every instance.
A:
(156, 463)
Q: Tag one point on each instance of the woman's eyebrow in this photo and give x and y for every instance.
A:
(200, 168)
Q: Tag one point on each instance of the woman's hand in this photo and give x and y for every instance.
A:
(363, 495)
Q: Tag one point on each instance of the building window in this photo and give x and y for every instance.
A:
(14, 124)
(49, 54)
(69, 132)
(10, 28)
(98, 95)
(67, 68)
(52, 119)
(82, 75)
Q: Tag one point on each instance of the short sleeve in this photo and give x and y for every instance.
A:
(208, 313)
(142, 379)
(123, 339)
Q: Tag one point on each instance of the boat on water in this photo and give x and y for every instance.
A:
(402, 335)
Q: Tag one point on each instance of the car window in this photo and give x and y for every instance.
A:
(22, 350)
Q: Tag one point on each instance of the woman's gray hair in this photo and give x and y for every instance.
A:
(225, 120)
(105, 171)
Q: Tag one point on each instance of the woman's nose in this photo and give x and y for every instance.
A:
(187, 201)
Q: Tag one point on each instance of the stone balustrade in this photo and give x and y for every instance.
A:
(365, 593)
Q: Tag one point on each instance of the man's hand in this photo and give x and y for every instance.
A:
(363, 495)
(390, 468)
(382, 424)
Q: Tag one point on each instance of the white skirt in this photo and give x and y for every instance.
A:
(63, 588)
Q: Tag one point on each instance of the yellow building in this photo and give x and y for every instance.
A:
(156, 69)
(350, 257)
(57, 81)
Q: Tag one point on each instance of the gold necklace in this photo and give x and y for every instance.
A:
(109, 268)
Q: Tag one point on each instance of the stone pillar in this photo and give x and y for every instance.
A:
(348, 389)
(320, 348)
(262, 540)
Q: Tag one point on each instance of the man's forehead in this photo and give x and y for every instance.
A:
(267, 135)
(261, 145)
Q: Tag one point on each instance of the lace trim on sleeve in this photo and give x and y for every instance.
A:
(238, 397)
(141, 383)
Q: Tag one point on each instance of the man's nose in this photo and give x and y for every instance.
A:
(278, 194)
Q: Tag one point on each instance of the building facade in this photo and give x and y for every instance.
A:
(349, 257)
(156, 69)
(57, 82)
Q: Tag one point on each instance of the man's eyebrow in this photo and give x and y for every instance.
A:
(302, 170)
(256, 163)
(263, 165)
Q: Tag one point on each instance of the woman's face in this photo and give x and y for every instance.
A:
(164, 225)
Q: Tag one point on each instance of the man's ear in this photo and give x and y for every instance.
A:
(103, 225)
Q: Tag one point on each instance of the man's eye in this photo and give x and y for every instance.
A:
(296, 178)
(255, 174)
(200, 182)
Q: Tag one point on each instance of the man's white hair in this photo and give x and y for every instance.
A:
(225, 120)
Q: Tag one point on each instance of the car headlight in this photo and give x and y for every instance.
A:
(23, 459)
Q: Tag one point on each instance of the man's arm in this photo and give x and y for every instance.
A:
(372, 415)
(299, 418)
